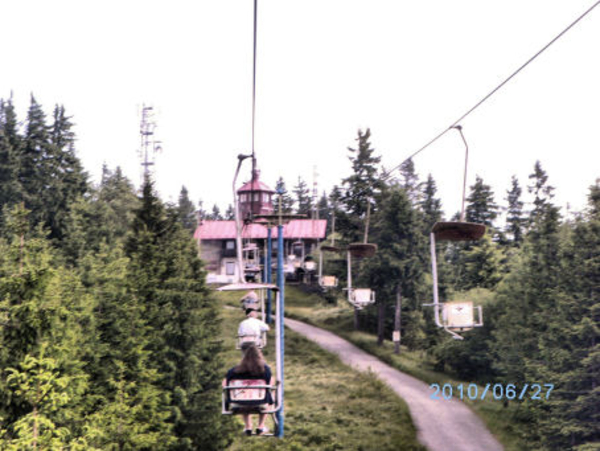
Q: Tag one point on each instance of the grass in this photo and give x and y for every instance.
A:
(328, 406)
(502, 421)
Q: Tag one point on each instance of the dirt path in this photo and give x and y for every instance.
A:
(442, 425)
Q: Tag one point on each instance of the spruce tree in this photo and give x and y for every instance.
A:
(34, 173)
(481, 207)
(361, 187)
(398, 264)
(303, 198)
(186, 211)
(430, 205)
(168, 280)
(569, 352)
(10, 192)
(409, 180)
(514, 219)
(287, 203)
(229, 213)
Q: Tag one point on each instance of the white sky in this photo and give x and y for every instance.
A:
(406, 69)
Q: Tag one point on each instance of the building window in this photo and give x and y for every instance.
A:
(243, 198)
(230, 245)
(256, 197)
(230, 268)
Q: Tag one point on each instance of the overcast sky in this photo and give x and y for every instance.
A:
(406, 69)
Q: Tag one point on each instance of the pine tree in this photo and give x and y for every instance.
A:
(361, 188)
(168, 279)
(186, 211)
(215, 215)
(430, 205)
(34, 174)
(47, 314)
(10, 192)
(514, 218)
(410, 181)
(363, 183)
(229, 213)
(569, 352)
(542, 192)
(68, 180)
(481, 207)
(287, 203)
(398, 264)
(303, 199)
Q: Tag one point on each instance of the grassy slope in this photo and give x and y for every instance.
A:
(328, 406)
(312, 309)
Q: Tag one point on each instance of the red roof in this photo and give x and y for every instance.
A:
(295, 229)
(255, 185)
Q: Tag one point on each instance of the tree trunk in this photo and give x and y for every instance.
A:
(397, 318)
(380, 322)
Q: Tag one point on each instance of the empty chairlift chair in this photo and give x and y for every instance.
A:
(360, 297)
(326, 282)
(456, 316)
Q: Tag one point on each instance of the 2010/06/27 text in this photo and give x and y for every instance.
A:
(497, 391)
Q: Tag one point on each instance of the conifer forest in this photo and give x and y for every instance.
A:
(109, 331)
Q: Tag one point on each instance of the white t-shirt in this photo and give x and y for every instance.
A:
(252, 326)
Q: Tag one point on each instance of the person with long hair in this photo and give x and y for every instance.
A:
(253, 367)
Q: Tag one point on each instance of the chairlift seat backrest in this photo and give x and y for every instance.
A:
(310, 266)
(363, 296)
(458, 315)
(458, 231)
(246, 394)
(360, 250)
(259, 340)
(329, 281)
(326, 248)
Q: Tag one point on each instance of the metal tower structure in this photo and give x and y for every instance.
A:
(149, 146)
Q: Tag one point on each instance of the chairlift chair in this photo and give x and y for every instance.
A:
(326, 282)
(260, 341)
(359, 297)
(247, 396)
(456, 316)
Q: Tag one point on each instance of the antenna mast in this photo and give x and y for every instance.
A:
(149, 146)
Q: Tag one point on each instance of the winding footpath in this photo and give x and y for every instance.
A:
(442, 425)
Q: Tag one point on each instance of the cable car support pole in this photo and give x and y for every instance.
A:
(280, 327)
(268, 270)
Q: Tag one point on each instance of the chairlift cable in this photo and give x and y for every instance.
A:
(491, 93)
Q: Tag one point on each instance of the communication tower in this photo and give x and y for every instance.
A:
(149, 146)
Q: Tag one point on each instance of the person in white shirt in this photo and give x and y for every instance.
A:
(251, 329)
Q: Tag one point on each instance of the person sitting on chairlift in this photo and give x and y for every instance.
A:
(252, 327)
(249, 300)
(253, 366)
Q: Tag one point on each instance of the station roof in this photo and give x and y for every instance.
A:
(295, 229)
(255, 185)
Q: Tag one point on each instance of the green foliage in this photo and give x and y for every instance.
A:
(287, 203)
(515, 222)
(303, 198)
(166, 279)
(186, 211)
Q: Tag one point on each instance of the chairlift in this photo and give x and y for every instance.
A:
(326, 282)
(260, 341)
(248, 396)
(359, 297)
(457, 316)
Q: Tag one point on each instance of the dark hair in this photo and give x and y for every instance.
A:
(249, 310)
(252, 362)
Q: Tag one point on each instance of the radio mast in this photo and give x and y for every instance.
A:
(149, 146)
